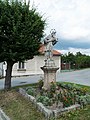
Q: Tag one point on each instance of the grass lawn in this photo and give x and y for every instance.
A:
(19, 108)
(82, 114)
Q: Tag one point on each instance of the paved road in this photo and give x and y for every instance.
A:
(16, 81)
(79, 77)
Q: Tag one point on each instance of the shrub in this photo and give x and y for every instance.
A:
(67, 94)
(31, 91)
(83, 100)
(44, 100)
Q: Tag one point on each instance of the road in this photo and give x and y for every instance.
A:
(78, 76)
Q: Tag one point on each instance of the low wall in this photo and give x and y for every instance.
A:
(3, 116)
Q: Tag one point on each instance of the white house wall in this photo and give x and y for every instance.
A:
(2, 69)
(33, 66)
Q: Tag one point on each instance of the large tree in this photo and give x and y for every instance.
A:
(21, 30)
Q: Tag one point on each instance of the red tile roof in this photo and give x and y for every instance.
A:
(55, 52)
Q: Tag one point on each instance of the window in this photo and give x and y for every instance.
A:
(21, 65)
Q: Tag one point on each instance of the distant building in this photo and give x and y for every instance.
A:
(33, 66)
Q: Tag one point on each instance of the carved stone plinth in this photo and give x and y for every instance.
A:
(49, 75)
(49, 63)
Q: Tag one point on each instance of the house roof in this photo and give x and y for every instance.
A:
(42, 51)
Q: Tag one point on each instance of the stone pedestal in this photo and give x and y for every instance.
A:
(49, 73)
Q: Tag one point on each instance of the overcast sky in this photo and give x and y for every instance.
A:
(71, 19)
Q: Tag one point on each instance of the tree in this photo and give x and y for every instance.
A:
(82, 60)
(69, 59)
(78, 60)
(21, 30)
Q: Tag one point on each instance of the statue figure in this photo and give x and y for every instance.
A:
(49, 68)
(49, 42)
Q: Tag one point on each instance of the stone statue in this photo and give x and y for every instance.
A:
(49, 68)
(49, 42)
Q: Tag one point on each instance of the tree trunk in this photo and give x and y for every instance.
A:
(8, 75)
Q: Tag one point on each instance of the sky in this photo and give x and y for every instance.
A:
(70, 19)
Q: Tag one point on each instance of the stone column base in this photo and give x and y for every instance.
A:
(49, 75)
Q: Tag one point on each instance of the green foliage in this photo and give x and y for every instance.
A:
(83, 100)
(18, 108)
(65, 93)
(31, 91)
(76, 94)
(76, 61)
(21, 29)
(44, 99)
(74, 87)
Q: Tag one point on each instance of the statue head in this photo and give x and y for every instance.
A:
(53, 32)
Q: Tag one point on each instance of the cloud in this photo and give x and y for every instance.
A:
(74, 50)
(70, 18)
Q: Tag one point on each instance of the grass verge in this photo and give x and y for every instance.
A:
(19, 108)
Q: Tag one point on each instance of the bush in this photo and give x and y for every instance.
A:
(31, 91)
(83, 100)
(67, 94)
(44, 100)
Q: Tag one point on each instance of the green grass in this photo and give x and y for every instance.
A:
(23, 86)
(80, 114)
(82, 86)
(19, 108)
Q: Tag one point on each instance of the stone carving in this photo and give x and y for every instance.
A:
(49, 42)
(49, 68)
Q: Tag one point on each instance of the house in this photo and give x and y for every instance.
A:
(2, 69)
(33, 66)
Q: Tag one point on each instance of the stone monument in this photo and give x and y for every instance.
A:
(49, 68)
